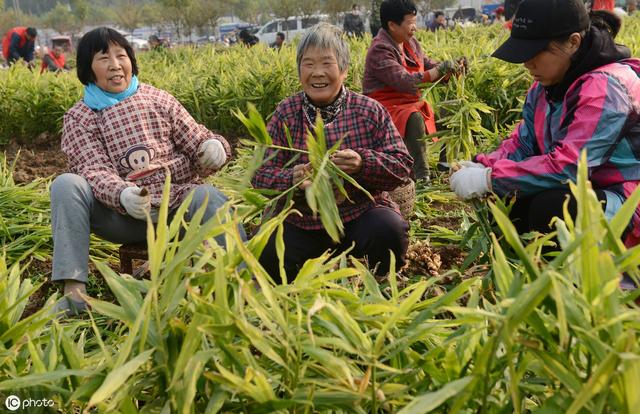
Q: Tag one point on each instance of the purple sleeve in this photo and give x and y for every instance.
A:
(386, 67)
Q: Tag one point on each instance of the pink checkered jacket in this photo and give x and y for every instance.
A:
(132, 142)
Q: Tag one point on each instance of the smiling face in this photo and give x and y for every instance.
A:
(551, 65)
(112, 69)
(320, 76)
(403, 32)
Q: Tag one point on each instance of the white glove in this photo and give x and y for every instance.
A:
(470, 183)
(212, 154)
(470, 164)
(135, 204)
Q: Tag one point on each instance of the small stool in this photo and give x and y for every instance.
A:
(130, 252)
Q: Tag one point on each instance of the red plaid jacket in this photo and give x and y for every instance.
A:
(131, 142)
(367, 129)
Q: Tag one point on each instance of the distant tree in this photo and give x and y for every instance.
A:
(429, 5)
(309, 7)
(247, 10)
(175, 11)
(35, 7)
(99, 15)
(8, 19)
(60, 19)
(333, 7)
(284, 8)
(80, 9)
(129, 14)
(203, 15)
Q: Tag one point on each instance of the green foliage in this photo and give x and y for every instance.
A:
(212, 83)
(25, 220)
(209, 331)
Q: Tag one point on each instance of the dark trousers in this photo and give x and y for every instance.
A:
(374, 233)
(414, 140)
(534, 213)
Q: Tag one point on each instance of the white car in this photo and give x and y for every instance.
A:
(291, 27)
(139, 44)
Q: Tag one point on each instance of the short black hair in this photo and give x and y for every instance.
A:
(280, 35)
(32, 32)
(438, 14)
(395, 10)
(98, 40)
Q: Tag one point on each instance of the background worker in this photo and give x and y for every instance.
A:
(279, 41)
(54, 60)
(585, 97)
(19, 43)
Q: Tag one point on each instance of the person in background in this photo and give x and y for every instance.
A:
(395, 69)
(603, 5)
(631, 7)
(374, 19)
(155, 43)
(54, 60)
(353, 25)
(585, 97)
(247, 38)
(372, 152)
(120, 139)
(499, 16)
(279, 41)
(19, 43)
(438, 22)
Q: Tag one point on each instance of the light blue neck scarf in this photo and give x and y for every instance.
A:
(98, 99)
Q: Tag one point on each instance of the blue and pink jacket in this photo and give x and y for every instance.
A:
(599, 114)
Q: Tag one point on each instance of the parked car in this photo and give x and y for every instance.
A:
(228, 28)
(291, 27)
(139, 44)
(460, 14)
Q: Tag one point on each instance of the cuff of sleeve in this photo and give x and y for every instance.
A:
(118, 205)
(489, 183)
(365, 164)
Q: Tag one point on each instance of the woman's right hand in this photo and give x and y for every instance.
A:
(136, 201)
(302, 172)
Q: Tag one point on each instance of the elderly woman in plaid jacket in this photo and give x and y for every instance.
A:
(120, 140)
(372, 152)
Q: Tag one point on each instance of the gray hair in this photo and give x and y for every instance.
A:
(325, 36)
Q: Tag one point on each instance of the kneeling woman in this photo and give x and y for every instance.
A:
(119, 138)
(372, 152)
(585, 96)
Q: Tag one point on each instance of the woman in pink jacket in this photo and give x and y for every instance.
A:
(586, 96)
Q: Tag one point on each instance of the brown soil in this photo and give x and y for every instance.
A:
(43, 159)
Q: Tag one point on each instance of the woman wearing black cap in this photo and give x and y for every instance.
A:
(586, 96)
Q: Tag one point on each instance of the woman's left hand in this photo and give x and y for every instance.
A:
(471, 182)
(348, 161)
(212, 154)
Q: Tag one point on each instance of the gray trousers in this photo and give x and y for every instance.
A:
(75, 213)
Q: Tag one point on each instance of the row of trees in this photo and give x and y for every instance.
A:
(183, 16)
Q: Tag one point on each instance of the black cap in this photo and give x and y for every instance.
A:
(538, 22)
(32, 32)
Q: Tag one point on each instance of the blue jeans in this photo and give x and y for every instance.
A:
(75, 213)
